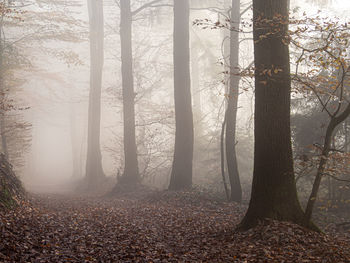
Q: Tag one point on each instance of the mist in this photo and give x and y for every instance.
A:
(55, 83)
(174, 131)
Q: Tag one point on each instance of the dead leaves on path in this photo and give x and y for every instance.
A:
(160, 227)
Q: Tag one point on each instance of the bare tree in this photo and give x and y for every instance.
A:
(232, 104)
(94, 170)
(181, 174)
(131, 169)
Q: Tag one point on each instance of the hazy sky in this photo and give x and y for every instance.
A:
(342, 3)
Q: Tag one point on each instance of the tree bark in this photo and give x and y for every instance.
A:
(4, 146)
(181, 174)
(274, 193)
(131, 170)
(232, 105)
(94, 170)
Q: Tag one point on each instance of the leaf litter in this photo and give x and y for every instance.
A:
(155, 227)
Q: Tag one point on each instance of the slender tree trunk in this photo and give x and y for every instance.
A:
(181, 174)
(94, 169)
(131, 170)
(76, 166)
(222, 157)
(274, 193)
(197, 107)
(334, 122)
(232, 105)
(320, 171)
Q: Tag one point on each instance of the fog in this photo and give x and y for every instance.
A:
(54, 86)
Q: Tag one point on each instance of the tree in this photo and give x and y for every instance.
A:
(131, 173)
(181, 174)
(15, 132)
(274, 193)
(230, 45)
(11, 190)
(131, 170)
(328, 80)
(94, 170)
(232, 104)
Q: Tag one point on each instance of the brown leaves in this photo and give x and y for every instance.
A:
(157, 227)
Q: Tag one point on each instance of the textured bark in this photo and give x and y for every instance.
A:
(232, 105)
(131, 170)
(94, 169)
(181, 174)
(274, 192)
(4, 147)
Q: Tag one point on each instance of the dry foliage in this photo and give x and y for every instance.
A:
(154, 227)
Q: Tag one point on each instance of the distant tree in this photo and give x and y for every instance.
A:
(232, 103)
(181, 174)
(131, 174)
(274, 193)
(94, 170)
(231, 12)
(131, 169)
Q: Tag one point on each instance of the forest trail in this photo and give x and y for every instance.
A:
(158, 227)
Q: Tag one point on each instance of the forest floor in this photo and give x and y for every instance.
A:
(155, 227)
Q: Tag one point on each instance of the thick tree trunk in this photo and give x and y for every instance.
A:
(181, 174)
(131, 170)
(232, 105)
(94, 169)
(274, 192)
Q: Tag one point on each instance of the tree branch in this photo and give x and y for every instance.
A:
(150, 4)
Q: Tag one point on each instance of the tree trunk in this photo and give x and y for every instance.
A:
(131, 171)
(222, 157)
(181, 174)
(197, 109)
(94, 169)
(232, 105)
(274, 192)
(76, 165)
(4, 146)
(2, 90)
(333, 123)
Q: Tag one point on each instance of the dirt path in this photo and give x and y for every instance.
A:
(162, 227)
